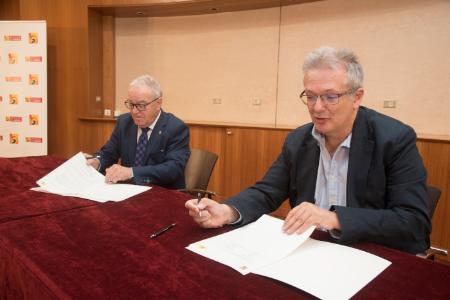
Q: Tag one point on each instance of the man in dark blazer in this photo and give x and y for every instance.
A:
(352, 171)
(164, 145)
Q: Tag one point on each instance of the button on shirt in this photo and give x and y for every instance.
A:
(331, 183)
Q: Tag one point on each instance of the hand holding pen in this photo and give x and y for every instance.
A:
(92, 160)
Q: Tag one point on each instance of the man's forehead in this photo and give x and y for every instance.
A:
(143, 92)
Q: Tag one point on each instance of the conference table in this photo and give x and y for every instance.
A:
(55, 247)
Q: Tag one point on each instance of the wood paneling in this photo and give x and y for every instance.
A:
(436, 157)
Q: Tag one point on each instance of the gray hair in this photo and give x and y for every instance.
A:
(331, 58)
(148, 82)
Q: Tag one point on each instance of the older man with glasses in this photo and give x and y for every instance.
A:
(352, 171)
(153, 145)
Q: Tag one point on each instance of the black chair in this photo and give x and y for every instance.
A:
(434, 194)
(198, 172)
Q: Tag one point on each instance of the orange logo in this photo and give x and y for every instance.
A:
(32, 37)
(33, 79)
(33, 139)
(34, 119)
(12, 38)
(13, 138)
(12, 58)
(13, 119)
(33, 99)
(13, 79)
(33, 58)
(13, 99)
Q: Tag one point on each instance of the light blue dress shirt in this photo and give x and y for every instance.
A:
(331, 182)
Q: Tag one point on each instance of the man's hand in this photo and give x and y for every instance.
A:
(210, 214)
(306, 215)
(117, 173)
(92, 161)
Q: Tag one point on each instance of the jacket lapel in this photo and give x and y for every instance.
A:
(307, 163)
(130, 140)
(360, 159)
(156, 136)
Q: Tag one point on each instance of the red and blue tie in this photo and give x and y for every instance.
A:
(140, 148)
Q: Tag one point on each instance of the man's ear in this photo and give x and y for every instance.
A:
(358, 96)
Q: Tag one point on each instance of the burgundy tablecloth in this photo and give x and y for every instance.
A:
(20, 174)
(104, 252)
(54, 247)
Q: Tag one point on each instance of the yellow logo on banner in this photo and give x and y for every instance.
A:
(34, 119)
(13, 99)
(33, 139)
(12, 58)
(33, 99)
(13, 138)
(13, 79)
(12, 38)
(33, 79)
(33, 58)
(32, 37)
(13, 119)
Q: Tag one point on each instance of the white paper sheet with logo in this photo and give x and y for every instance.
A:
(325, 270)
(75, 178)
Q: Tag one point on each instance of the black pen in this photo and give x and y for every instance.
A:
(199, 198)
(161, 231)
(93, 157)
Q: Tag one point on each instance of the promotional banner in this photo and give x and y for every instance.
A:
(23, 88)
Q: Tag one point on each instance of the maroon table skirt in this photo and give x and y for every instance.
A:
(104, 252)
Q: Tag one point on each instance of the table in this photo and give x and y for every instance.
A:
(103, 251)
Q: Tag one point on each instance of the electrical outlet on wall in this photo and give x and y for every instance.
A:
(389, 103)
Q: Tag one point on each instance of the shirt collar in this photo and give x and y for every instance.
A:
(152, 126)
(320, 138)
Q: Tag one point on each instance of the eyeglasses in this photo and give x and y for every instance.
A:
(140, 106)
(327, 99)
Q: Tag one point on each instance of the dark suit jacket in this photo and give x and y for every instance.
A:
(386, 192)
(166, 155)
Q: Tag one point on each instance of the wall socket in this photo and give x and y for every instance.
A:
(256, 101)
(98, 98)
(217, 101)
(389, 103)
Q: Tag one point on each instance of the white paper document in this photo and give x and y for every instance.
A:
(325, 270)
(75, 178)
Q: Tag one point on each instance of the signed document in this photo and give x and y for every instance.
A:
(325, 270)
(75, 178)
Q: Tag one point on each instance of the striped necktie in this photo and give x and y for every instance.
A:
(140, 148)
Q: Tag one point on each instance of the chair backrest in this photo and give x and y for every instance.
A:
(199, 169)
(433, 197)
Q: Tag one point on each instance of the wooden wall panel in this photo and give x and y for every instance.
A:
(67, 68)
(213, 139)
(94, 133)
(436, 157)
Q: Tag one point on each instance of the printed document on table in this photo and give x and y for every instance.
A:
(252, 246)
(75, 178)
(325, 270)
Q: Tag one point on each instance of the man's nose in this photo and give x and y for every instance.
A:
(319, 105)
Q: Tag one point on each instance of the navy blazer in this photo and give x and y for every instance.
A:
(386, 191)
(165, 157)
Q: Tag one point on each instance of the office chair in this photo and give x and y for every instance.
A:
(198, 172)
(433, 197)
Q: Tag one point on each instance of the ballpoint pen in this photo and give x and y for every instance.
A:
(199, 198)
(161, 231)
(93, 157)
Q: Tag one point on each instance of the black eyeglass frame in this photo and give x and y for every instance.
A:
(326, 102)
(139, 106)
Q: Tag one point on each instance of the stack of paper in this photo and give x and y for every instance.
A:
(75, 178)
(325, 270)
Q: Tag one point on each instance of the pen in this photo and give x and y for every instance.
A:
(161, 231)
(93, 157)
(199, 198)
